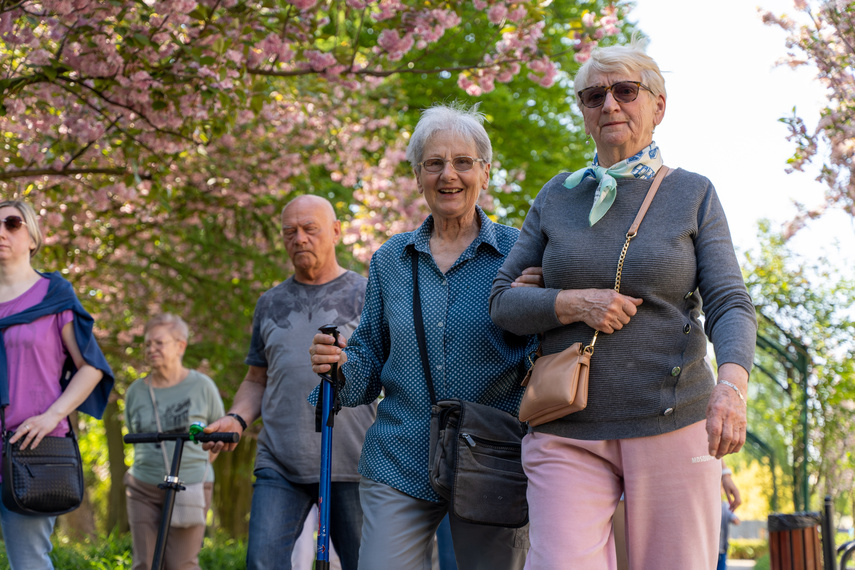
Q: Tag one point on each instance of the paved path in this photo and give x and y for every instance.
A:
(739, 564)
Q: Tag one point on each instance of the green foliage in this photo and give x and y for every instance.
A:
(113, 552)
(807, 301)
(762, 563)
(93, 442)
(747, 548)
(223, 553)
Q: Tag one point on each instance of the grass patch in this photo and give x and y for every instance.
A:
(113, 552)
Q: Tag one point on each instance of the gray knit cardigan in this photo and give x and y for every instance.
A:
(650, 377)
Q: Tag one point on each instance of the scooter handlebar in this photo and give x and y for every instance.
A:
(224, 436)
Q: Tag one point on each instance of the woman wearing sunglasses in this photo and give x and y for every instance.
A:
(457, 251)
(45, 330)
(657, 421)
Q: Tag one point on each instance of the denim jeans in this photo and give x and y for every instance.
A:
(279, 509)
(27, 540)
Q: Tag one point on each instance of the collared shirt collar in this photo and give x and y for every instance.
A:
(420, 237)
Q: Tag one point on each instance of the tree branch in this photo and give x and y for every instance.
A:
(12, 174)
(380, 73)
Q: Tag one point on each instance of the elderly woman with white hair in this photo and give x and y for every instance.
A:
(458, 250)
(169, 399)
(657, 421)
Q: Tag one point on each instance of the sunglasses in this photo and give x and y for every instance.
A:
(460, 163)
(13, 223)
(622, 91)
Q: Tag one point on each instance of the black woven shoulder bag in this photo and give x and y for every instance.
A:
(45, 481)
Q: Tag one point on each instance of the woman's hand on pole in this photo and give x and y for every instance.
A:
(604, 310)
(324, 353)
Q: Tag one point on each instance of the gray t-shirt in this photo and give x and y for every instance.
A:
(286, 320)
(194, 399)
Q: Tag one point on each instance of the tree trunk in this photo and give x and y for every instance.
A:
(233, 488)
(79, 524)
(117, 510)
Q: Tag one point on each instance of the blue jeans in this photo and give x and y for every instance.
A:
(27, 540)
(279, 509)
(722, 561)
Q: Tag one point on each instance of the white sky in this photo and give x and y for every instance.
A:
(725, 96)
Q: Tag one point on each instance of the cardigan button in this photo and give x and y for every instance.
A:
(668, 412)
(687, 329)
(689, 294)
(676, 371)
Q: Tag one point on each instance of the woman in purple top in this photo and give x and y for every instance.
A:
(35, 353)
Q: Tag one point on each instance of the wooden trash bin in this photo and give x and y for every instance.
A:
(794, 541)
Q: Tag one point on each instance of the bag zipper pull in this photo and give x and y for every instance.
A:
(468, 439)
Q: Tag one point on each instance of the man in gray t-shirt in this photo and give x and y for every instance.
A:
(280, 377)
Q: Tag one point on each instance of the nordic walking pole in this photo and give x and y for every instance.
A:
(329, 405)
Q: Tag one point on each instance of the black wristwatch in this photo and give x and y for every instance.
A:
(240, 420)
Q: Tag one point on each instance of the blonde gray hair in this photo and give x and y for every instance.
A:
(622, 60)
(454, 117)
(174, 323)
(31, 221)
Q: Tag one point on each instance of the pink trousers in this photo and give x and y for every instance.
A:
(673, 504)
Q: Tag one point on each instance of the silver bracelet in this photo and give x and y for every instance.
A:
(732, 385)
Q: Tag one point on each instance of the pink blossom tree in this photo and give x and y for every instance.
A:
(822, 34)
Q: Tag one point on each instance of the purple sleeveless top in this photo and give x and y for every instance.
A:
(35, 354)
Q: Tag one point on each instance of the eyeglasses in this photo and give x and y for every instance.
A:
(622, 91)
(158, 344)
(13, 223)
(460, 163)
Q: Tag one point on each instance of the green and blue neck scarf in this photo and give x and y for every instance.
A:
(642, 166)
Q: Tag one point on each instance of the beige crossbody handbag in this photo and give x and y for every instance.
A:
(557, 384)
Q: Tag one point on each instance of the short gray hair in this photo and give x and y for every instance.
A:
(454, 117)
(626, 60)
(30, 218)
(173, 322)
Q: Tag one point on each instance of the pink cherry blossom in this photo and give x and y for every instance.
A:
(395, 45)
(497, 13)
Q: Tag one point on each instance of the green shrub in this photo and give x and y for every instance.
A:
(747, 548)
(223, 553)
(113, 552)
(762, 563)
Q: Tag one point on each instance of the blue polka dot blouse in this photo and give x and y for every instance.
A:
(471, 358)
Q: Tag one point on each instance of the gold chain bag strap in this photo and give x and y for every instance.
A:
(557, 384)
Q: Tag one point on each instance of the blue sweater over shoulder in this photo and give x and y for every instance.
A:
(61, 297)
